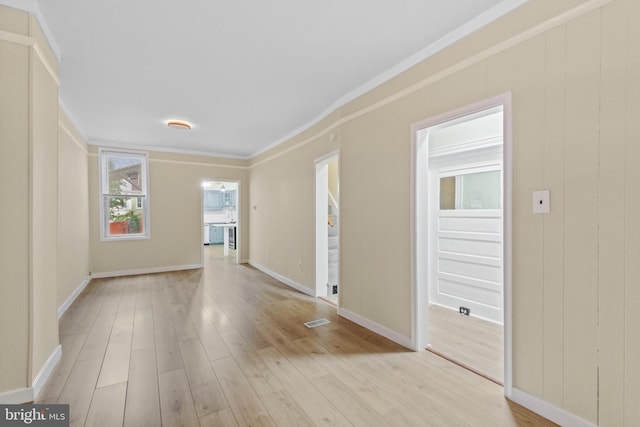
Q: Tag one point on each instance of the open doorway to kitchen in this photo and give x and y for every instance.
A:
(220, 213)
(328, 228)
(461, 251)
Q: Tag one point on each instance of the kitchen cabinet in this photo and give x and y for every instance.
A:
(215, 200)
(229, 199)
(216, 235)
(212, 200)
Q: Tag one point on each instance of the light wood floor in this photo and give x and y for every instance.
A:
(473, 342)
(226, 346)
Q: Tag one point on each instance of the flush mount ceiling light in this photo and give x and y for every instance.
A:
(179, 124)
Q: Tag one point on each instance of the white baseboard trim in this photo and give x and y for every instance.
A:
(46, 371)
(295, 285)
(547, 410)
(151, 270)
(377, 328)
(15, 397)
(65, 305)
(29, 394)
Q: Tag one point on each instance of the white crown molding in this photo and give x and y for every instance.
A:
(47, 65)
(177, 162)
(32, 7)
(185, 162)
(66, 130)
(475, 24)
(72, 119)
(114, 144)
(448, 71)
(31, 42)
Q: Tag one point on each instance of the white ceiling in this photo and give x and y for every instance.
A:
(247, 74)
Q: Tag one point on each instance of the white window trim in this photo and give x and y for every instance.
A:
(104, 181)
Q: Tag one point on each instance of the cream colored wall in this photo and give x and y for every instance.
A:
(574, 75)
(282, 201)
(74, 261)
(175, 196)
(44, 210)
(334, 177)
(14, 215)
(28, 129)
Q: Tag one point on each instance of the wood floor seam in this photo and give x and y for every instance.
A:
(226, 345)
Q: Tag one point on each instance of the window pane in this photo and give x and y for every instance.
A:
(125, 175)
(123, 185)
(126, 215)
(448, 192)
(481, 190)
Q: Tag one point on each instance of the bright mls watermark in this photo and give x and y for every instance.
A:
(34, 415)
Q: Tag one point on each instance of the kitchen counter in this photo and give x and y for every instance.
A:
(226, 226)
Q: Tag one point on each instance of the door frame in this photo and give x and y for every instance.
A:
(420, 221)
(321, 185)
(473, 163)
(238, 219)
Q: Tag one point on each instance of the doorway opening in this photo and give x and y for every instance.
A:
(461, 250)
(328, 228)
(220, 218)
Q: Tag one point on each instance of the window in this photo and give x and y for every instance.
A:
(124, 204)
(479, 190)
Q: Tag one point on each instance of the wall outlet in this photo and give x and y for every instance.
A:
(541, 202)
(464, 310)
(300, 265)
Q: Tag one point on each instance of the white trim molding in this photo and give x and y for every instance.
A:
(46, 370)
(66, 130)
(16, 397)
(31, 42)
(29, 394)
(149, 270)
(420, 221)
(547, 410)
(349, 315)
(65, 305)
(291, 283)
(447, 40)
(488, 52)
(151, 147)
(376, 327)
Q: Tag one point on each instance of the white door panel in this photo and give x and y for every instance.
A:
(457, 245)
(474, 270)
(472, 223)
(452, 287)
(468, 261)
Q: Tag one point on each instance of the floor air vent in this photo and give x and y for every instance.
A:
(315, 323)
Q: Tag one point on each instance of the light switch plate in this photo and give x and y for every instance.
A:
(541, 203)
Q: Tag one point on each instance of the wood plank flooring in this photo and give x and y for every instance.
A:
(226, 346)
(473, 342)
